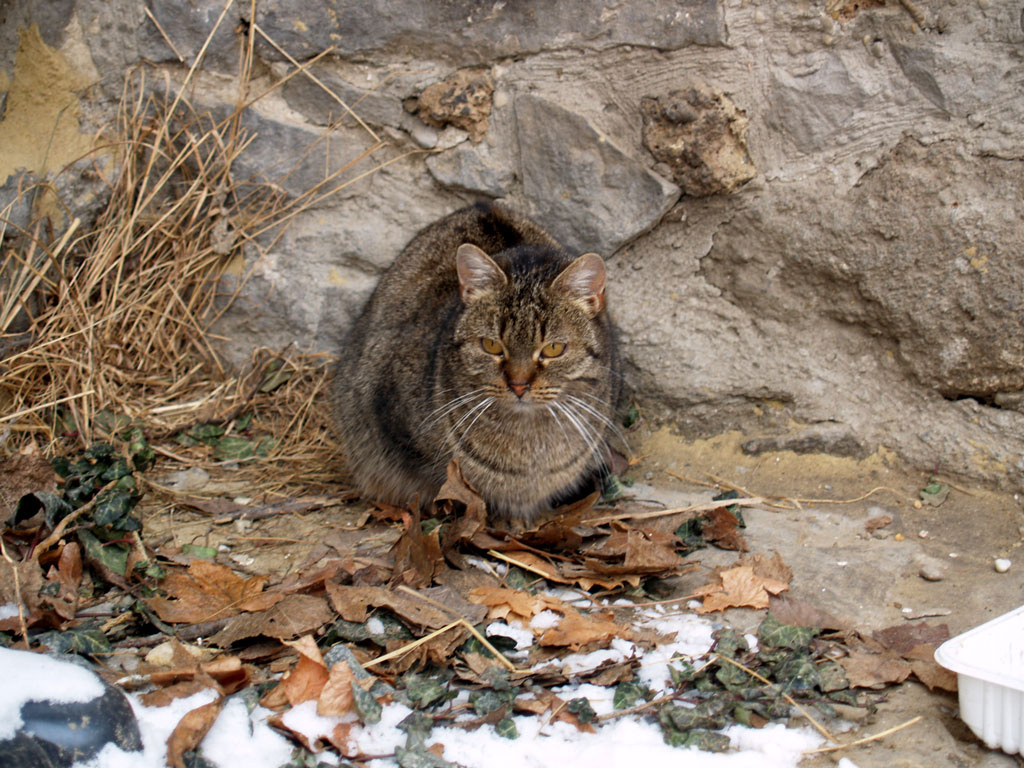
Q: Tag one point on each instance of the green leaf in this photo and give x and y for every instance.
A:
(729, 643)
(632, 416)
(417, 727)
(423, 691)
(234, 448)
(420, 758)
(277, 375)
(112, 507)
(99, 451)
(244, 422)
(54, 508)
(706, 741)
(111, 423)
(627, 693)
(139, 449)
(774, 634)
(832, 677)
(196, 550)
(731, 676)
(114, 555)
(934, 493)
(488, 700)
(366, 706)
(797, 674)
(83, 641)
(582, 709)
(506, 728)
(709, 713)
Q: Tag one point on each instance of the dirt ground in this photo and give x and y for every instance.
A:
(869, 580)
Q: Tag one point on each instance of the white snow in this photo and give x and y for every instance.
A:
(240, 739)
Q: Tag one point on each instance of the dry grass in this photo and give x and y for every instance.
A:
(119, 314)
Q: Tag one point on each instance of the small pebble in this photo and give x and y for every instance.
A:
(931, 572)
(922, 534)
(898, 537)
(1002, 565)
(917, 504)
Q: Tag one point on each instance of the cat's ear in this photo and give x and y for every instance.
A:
(477, 272)
(583, 281)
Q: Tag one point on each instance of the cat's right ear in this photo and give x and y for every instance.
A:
(478, 273)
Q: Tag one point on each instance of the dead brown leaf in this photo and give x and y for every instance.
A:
(721, 528)
(207, 591)
(295, 615)
(874, 670)
(307, 678)
(190, 731)
(68, 576)
(740, 587)
(336, 698)
(902, 638)
(576, 630)
(437, 608)
(928, 671)
(417, 556)
(504, 602)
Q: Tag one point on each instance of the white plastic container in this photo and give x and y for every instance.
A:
(989, 663)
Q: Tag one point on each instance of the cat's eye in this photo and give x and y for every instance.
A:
(552, 349)
(491, 346)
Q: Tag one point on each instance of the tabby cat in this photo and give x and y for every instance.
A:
(485, 341)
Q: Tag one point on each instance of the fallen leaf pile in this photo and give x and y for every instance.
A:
(397, 609)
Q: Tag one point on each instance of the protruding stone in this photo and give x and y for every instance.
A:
(462, 99)
(584, 190)
(701, 135)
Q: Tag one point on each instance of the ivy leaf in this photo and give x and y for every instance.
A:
(706, 741)
(366, 706)
(774, 634)
(113, 508)
(832, 677)
(627, 693)
(420, 758)
(798, 674)
(54, 508)
(506, 728)
(83, 641)
(582, 709)
(197, 550)
(488, 700)
(423, 691)
(113, 555)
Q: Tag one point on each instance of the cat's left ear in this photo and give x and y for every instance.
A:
(583, 281)
(477, 272)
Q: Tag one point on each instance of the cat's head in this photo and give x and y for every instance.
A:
(533, 326)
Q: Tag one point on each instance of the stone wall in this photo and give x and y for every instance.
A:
(812, 210)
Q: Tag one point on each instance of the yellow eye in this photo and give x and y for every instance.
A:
(491, 346)
(552, 349)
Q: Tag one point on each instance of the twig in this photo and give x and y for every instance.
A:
(17, 592)
(634, 710)
(704, 507)
(59, 529)
(866, 739)
(817, 726)
(437, 632)
(40, 407)
(164, 34)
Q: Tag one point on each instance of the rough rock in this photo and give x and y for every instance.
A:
(584, 190)
(468, 32)
(477, 168)
(702, 137)
(942, 285)
(462, 99)
(821, 438)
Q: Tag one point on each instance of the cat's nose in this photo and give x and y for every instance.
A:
(519, 387)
